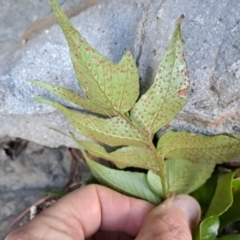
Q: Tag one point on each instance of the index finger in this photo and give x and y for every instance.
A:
(83, 212)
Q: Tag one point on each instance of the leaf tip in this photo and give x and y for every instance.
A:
(38, 99)
(180, 20)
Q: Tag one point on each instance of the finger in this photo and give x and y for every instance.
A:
(174, 219)
(83, 212)
(111, 235)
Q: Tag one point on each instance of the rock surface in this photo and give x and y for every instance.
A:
(212, 50)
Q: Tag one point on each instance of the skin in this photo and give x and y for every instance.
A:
(96, 212)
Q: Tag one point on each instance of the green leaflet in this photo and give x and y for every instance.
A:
(221, 201)
(167, 95)
(182, 176)
(233, 213)
(205, 193)
(230, 237)
(112, 131)
(123, 157)
(72, 97)
(130, 183)
(107, 85)
(198, 148)
(55, 193)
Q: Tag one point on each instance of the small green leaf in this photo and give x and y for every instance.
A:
(208, 229)
(167, 95)
(233, 213)
(230, 237)
(130, 183)
(222, 198)
(182, 176)
(107, 85)
(55, 193)
(123, 157)
(154, 183)
(72, 97)
(221, 201)
(198, 148)
(113, 131)
(91, 180)
(205, 193)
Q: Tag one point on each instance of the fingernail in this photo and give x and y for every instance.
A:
(189, 206)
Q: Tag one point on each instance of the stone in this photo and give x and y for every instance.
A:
(211, 46)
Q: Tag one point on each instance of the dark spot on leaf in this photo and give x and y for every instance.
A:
(183, 92)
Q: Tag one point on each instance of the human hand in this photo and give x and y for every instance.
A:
(96, 212)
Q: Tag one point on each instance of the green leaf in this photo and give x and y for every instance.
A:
(130, 183)
(167, 95)
(230, 237)
(182, 176)
(154, 183)
(123, 157)
(205, 193)
(72, 97)
(198, 148)
(221, 201)
(91, 180)
(222, 198)
(208, 229)
(55, 193)
(113, 131)
(107, 85)
(233, 213)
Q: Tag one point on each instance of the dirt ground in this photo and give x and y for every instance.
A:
(27, 170)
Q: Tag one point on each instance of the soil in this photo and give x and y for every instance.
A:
(27, 172)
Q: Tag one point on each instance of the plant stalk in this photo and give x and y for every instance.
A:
(152, 147)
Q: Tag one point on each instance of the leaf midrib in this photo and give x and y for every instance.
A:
(116, 136)
(183, 148)
(154, 119)
(60, 13)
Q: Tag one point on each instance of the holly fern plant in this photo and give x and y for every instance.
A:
(122, 125)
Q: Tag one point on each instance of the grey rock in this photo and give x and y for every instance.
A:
(211, 41)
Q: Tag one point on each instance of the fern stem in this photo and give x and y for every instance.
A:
(152, 147)
(128, 119)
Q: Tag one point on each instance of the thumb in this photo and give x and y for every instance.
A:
(173, 219)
